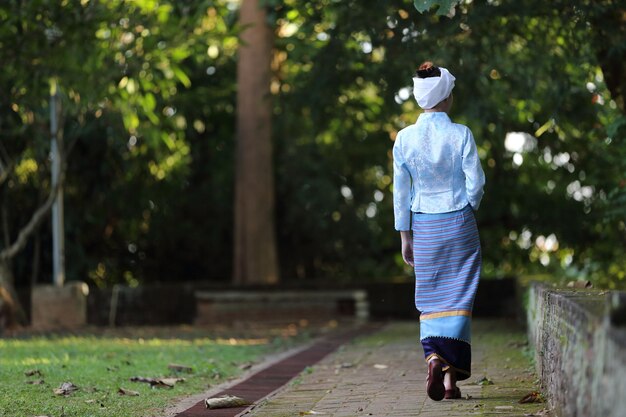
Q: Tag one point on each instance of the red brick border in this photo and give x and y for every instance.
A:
(264, 382)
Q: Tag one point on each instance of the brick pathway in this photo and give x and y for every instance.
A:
(384, 375)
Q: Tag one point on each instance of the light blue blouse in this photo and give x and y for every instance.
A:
(436, 168)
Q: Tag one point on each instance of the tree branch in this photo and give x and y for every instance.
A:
(35, 220)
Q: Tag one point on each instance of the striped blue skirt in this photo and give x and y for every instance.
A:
(446, 251)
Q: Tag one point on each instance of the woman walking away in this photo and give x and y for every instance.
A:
(438, 184)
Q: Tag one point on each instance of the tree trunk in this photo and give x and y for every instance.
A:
(11, 311)
(255, 260)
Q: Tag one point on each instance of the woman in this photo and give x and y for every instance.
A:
(438, 184)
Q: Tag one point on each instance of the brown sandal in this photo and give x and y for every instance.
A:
(434, 383)
(453, 394)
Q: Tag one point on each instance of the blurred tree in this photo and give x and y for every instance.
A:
(106, 62)
(255, 259)
(150, 118)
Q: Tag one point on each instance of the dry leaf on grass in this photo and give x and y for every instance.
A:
(66, 388)
(246, 366)
(158, 382)
(180, 368)
(33, 372)
(169, 381)
(36, 382)
(225, 401)
(130, 393)
(533, 397)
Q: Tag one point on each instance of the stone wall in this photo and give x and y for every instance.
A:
(59, 307)
(163, 304)
(276, 305)
(580, 349)
(175, 303)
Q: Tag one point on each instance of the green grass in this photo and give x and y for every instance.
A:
(99, 366)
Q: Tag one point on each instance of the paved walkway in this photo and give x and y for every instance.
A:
(384, 374)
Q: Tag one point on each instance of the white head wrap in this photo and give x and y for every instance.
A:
(432, 90)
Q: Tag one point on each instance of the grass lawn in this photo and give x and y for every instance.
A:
(102, 364)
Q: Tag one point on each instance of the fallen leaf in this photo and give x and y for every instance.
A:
(533, 397)
(541, 413)
(33, 372)
(142, 379)
(380, 366)
(345, 365)
(180, 368)
(246, 366)
(36, 382)
(130, 393)
(484, 381)
(580, 283)
(170, 381)
(158, 382)
(66, 388)
(226, 401)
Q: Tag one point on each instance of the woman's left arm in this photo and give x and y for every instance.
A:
(474, 174)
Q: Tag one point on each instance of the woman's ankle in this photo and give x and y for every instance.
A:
(449, 380)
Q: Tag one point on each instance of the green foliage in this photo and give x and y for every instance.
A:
(149, 96)
(443, 6)
(346, 81)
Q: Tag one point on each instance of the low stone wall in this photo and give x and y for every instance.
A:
(579, 339)
(175, 303)
(163, 304)
(228, 307)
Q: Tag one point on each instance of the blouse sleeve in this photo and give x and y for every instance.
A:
(474, 174)
(401, 189)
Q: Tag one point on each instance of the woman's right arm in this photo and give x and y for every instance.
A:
(401, 189)
(402, 201)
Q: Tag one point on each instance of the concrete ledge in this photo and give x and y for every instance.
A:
(279, 305)
(580, 349)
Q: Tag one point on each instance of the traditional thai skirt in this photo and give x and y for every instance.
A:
(446, 250)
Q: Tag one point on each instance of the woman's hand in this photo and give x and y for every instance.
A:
(407, 247)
